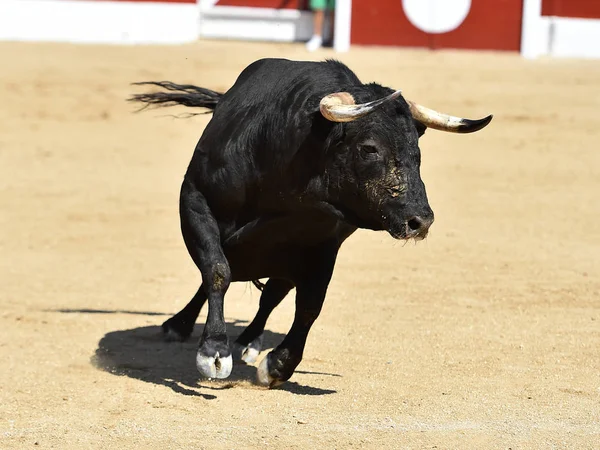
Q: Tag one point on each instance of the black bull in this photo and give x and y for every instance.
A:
(297, 156)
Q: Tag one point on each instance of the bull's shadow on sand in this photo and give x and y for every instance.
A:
(143, 354)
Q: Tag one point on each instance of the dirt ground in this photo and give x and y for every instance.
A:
(486, 335)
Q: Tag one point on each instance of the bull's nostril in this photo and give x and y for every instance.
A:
(415, 223)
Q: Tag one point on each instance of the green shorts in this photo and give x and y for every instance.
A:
(322, 4)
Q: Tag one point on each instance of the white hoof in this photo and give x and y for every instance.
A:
(262, 374)
(247, 354)
(263, 377)
(214, 367)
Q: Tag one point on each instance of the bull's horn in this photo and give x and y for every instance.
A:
(340, 107)
(444, 122)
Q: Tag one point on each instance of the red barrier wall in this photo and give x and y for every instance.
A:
(489, 24)
(572, 8)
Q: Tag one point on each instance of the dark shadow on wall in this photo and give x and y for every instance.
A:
(143, 354)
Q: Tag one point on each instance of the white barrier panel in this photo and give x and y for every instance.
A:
(573, 38)
(102, 22)
(342, 22)
(558, 36)
(251, 23)
(534, 33)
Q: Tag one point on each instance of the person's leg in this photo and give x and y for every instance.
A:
(328, 35)
(318, 8)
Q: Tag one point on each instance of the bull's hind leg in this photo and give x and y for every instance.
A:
(180, 326)
(249, 344)
(202, 238)
(311, 287)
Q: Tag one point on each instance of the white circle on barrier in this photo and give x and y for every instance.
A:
(436, 16)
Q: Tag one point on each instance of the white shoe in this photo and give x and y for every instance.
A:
(314, 43)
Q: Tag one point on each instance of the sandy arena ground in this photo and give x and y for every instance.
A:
(484, 336)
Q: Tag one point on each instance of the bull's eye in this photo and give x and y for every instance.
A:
(368, 151)
(368, 148)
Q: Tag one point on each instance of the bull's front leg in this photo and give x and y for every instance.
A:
(249, 344)
(202, 238)
(311, 286)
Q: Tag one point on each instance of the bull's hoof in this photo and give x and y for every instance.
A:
(266, 376)
(176, 330)
(214, 366)
(245, 353)
(249, 352)
(213, 359)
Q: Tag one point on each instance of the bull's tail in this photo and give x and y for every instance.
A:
(177, 94)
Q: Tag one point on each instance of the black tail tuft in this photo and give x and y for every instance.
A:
(179, 94)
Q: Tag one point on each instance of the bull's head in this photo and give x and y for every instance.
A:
(379, 181)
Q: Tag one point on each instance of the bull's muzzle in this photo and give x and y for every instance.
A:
(417, 227)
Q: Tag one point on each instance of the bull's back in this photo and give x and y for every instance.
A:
(258, 125)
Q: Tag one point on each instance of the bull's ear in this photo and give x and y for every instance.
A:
(420, 127)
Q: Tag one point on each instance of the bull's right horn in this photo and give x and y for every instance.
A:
(444, 122)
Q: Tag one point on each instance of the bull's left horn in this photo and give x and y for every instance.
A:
(444, 122)
(340, 107)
